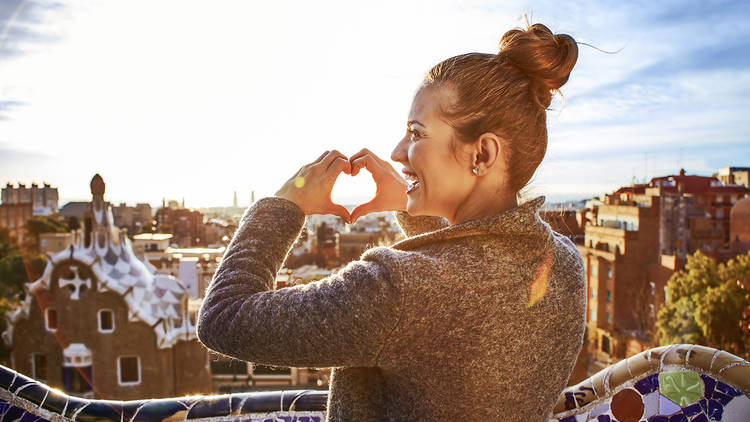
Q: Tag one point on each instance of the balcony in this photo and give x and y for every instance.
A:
(683, 379)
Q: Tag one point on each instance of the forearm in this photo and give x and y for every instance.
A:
(342, 320)
(258, 248)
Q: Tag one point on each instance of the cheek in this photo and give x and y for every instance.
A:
(438, 169)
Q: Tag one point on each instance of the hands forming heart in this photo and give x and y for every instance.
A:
(311, 187)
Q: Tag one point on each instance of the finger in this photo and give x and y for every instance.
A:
(340, 211)
(340, 164)
(363, 151)
(317, 160)
(366, 161)
(330, 157)
(364, 209)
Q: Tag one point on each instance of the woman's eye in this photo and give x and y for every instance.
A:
(414, 135)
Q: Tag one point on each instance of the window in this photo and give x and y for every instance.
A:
(76, 379)
(593, 292)
(609, 273)
(50, 319)
(129, 370)
(605, 344)
(609, 318)
(39, 366)
(594, 271)
(593, 315)
(106, 321)
(609, 295)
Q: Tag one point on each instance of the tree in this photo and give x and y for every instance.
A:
(73, 223)
(707, 304)
(16, 266)
(37, 225)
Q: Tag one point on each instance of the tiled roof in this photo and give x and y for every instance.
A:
(158, 300)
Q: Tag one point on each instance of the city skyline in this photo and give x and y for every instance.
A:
(223, 100)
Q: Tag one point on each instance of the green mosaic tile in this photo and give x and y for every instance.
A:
(682, 387)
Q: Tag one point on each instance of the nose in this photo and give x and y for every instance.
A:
(400, 153)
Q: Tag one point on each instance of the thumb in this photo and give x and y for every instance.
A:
(364, 209)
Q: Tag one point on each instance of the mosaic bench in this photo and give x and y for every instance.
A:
(664, 384)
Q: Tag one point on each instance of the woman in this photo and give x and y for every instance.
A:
(479, 313)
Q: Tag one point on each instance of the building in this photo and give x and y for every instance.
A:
(74, 209)
(43, 199)
(734, 176)
(14, 216)
(195, 267)
(133, 219)
(618, 246)
(566, 222)
(150, 247)
(100, 323)
(739, 222)
(635, 239)
(713, 198)
(50, 243)
(185, 225)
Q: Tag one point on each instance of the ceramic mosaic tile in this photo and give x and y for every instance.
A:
(679, 383)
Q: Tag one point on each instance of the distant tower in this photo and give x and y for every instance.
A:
(234, 203)
(164, 202)
(252, 197)
(97, 188)
(183, 202)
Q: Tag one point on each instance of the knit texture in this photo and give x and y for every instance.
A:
(482, 320)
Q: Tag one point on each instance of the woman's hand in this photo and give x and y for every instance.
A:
(390, 193)
(311, 187)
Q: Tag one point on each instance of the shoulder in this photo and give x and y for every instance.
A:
(399, 263)
(570, 257)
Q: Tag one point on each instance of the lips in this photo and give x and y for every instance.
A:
(412, 178)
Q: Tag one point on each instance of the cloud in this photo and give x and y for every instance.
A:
(246, 92)
(24, 23)
(6, 106)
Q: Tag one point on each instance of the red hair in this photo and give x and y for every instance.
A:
(508, 93)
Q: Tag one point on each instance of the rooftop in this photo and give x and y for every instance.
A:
(152, 236)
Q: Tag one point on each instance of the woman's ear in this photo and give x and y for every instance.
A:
(487, 150)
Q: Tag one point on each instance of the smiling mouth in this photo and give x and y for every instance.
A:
(413, 179)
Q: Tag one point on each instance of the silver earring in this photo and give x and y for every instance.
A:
(475, 171)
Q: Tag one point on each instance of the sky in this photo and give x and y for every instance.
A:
(197, 100)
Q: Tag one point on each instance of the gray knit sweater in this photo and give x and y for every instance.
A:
(482, 320)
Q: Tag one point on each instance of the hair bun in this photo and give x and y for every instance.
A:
(545, 58)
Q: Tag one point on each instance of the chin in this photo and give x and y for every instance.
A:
(416, 208)
(412, 208)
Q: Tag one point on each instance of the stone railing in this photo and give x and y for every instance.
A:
(665, 384)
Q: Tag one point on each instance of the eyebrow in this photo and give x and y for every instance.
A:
(411, 122)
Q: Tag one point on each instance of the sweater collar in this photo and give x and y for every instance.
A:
(521, 220)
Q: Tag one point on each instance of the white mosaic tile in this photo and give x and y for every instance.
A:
(667, 407)
(650, 404)
(737, 410)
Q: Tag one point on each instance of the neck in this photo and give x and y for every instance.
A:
(482, 204)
